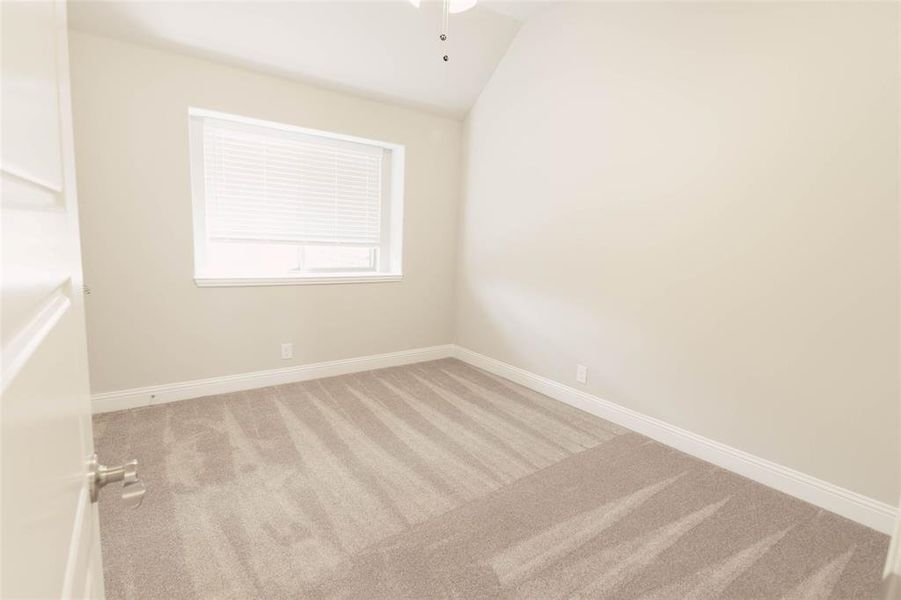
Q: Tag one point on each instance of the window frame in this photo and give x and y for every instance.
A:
(389, 252)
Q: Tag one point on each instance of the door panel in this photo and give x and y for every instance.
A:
(50, 541)
(31, 91)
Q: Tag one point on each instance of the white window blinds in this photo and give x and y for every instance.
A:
(263, 184)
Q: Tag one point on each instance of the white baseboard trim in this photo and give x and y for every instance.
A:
(851, 505)
(857, 507)
(172, 392)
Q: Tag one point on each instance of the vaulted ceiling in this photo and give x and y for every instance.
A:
(387, 49)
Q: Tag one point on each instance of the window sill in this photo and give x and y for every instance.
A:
(297, 280)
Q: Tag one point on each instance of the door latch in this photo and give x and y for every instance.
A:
(132, 488)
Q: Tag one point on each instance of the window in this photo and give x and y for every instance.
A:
(276, 204)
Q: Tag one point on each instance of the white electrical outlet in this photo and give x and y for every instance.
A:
(287, 350)
(581, 373)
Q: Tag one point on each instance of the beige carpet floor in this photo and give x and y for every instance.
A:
(438, 480)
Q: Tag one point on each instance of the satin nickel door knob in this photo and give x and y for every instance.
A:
(132, 488)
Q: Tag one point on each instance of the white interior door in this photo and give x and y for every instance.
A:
(50, 537)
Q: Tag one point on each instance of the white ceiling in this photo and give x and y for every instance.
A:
(386, 49)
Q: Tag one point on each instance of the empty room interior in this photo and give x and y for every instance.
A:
(450, 299)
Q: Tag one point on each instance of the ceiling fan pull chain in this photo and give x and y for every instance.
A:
(444, 23)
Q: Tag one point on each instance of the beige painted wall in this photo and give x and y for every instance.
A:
(699, 203)
(148, 323)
